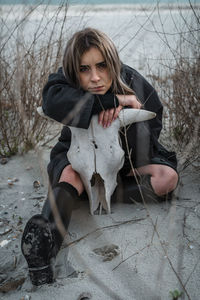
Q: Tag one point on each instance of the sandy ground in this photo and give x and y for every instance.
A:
(151, 250)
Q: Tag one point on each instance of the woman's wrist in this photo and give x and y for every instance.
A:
(129, 100)
(122, 99)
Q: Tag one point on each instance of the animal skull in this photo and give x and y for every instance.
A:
(95, 153)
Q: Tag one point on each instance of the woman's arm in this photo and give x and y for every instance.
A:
(147, 96)
(71, 106)
(106, 117)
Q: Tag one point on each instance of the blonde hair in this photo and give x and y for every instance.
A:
(81, 42)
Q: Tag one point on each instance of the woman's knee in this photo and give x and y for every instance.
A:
(165, 181)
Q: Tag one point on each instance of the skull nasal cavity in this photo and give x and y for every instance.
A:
(95, 145)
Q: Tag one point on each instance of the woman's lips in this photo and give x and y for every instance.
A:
(97, 89)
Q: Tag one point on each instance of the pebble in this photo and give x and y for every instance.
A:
(85, 296)
(4, 243)
(10, 182)
(3, 160)
(36, 184)
(26, 297)
(15, 179)
(29, 168)
(108, 252)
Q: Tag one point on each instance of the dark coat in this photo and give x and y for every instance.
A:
(75, 107)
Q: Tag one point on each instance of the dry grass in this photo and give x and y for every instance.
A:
(179, 89)
(25, 66)
(24, 69)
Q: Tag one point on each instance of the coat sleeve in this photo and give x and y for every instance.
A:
(71, 106)
(148, 97)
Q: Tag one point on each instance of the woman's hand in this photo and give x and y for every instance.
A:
(129, 100)
(106, 117)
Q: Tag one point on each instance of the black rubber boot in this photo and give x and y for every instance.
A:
(43, 234)
(58, 210)
(133, 192)
(37, 244)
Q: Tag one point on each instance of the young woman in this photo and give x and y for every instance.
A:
(92, 81)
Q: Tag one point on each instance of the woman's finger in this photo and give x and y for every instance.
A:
(117, 111)
(100, 119)
(110, 116)
(105, 118)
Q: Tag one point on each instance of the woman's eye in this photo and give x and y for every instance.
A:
(102, 65)
(84, 69)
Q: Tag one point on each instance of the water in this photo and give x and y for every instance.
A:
(32, 2)
(141, 36)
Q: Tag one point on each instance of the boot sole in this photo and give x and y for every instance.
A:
(37, 245)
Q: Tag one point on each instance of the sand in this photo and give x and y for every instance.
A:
(152, 249)
(145, 262)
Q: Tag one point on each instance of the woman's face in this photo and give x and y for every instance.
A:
(93, 73)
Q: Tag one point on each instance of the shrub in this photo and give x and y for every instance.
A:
(24, 70)
(179, 89)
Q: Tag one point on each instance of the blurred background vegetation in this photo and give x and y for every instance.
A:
(26, 64)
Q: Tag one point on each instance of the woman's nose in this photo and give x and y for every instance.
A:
(94, 76)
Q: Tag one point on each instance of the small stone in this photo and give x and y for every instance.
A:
(36, 184)
(15, 179)
(85, 296)
(108, 252)
(3, 160)
(10, 182)
(4, 243)
(29, 168)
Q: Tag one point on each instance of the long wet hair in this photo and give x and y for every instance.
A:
(81, 42)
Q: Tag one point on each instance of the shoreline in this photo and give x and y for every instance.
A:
(108, 7)
(36, 11)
